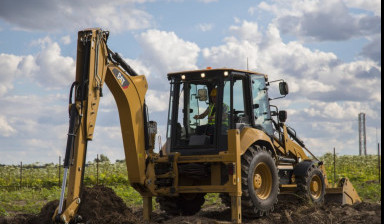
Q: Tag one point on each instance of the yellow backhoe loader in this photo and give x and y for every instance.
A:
(223, 136)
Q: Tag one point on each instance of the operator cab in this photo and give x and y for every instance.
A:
(190, 95)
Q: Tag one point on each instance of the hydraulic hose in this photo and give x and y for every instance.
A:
(116, 57)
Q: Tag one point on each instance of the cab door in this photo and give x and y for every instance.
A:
(235, 107)
(261, 110)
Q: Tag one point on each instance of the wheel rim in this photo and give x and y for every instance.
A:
(262, 181)
(316, 187)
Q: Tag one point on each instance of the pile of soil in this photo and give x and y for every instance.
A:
(291, 210)
(101, 205)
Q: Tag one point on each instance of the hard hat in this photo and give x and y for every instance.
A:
(213, 92)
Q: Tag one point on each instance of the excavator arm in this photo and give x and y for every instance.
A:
(96, 64)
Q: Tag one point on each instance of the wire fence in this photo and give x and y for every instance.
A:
(98, 172)
(14, 177)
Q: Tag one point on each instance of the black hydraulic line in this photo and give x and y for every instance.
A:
(293, 135)
(286, 160)
(117, 58)
(71, 91)
(71, 134)
(146, 128)
(85, 76)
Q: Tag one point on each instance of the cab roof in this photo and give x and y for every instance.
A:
(172, 74)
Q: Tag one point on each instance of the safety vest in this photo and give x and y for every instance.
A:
(211, 113)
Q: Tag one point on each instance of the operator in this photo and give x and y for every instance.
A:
(209, 128)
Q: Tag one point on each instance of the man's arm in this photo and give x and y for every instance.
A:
(201, 116)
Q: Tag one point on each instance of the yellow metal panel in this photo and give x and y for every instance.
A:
(250, 136)
(235, 147)
(129, 94)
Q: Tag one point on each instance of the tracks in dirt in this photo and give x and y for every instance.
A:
(101, 205)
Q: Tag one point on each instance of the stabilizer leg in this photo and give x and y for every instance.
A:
(147, 208)
(236, 209)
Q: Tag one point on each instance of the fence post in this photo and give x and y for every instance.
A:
(59, 170)
(334, 165)
(97, 169)
(21, 173)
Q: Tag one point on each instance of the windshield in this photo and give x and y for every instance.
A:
(261, 104)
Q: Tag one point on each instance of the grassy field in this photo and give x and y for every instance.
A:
(40, 183)
(362, 171)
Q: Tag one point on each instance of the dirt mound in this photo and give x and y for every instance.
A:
(291, 210)
(101, 205)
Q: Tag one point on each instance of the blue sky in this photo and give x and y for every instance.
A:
(329, 51)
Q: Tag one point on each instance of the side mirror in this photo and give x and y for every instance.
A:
(282, 116)
(283, 87)
(202, 94)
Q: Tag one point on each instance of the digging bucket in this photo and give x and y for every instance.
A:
(343, 193)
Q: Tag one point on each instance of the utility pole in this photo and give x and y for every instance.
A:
(362, 135)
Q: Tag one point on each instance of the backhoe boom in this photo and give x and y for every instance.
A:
(95, 65)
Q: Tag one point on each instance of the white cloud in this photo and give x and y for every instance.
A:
(326, 94)
(139, 67)
(208, 1)
(30, 121)
(51, 69)
(369, 5)
(322, 20)
(252, 10)
(157, 100)
(66, 39)
(48, 67)
(164, 52)
(247, 31)
(115, 15)
(5, 128)
(372, 50)
(9, 64)
(319, 75)
(205, 27)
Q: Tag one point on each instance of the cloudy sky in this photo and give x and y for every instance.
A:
(329, 51)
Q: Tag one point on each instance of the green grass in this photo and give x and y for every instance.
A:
(26, 200)
(42, 184)
(362, 171)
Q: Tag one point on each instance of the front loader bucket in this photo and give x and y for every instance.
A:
(343, 193)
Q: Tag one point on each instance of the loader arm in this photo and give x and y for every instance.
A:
(96, 64)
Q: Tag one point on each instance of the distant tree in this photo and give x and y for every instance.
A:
(102, 158)
(120, 161)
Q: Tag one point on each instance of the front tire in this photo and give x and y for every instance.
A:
(312, 185)
(260, 182)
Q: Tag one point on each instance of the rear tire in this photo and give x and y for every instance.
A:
(312, 186)
(185, 204)
(260, 182)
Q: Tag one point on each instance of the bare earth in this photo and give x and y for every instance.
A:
(102, 205)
